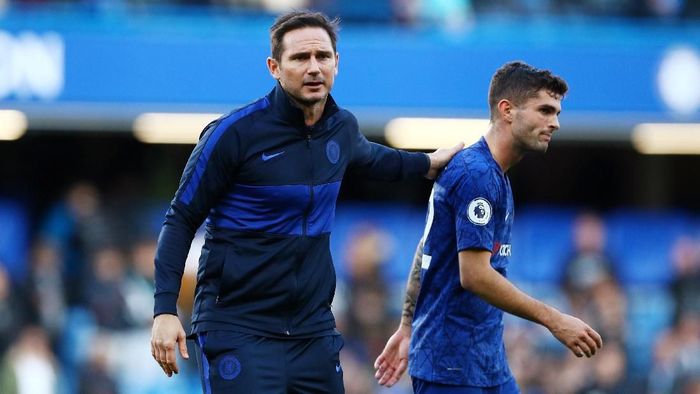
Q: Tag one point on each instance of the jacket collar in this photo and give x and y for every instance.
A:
(289, 112)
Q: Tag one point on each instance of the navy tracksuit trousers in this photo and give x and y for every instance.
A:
(232, 362)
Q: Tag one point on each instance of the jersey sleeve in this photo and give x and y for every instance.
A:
(209, 171)
(474, 200)
(380, 162)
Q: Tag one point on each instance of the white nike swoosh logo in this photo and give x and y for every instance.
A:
(267, 157)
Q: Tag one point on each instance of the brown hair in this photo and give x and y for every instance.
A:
(517, 82)
(296, 20)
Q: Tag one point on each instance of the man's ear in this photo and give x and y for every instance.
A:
(505, 110)
(337, 62)
(274, 67)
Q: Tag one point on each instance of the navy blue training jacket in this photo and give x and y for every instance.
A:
(267, 185)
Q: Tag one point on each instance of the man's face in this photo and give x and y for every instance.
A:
(536, 120)
(308, 65)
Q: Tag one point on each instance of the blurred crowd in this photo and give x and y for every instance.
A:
(79, 320)
(451, 13)
(589, 287)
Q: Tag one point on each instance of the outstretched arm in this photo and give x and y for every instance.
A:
(380, 162)
(393, 361)
(477, 276)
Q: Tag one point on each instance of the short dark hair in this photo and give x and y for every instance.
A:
(518, 82)
(296, 20)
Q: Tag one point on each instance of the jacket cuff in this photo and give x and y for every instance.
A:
(165, 303)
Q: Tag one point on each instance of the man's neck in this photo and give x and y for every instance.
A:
(312, 112)
(500, 142)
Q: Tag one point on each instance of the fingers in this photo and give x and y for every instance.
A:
(403, 364)
(588, 343)
(182, 341)
(580, 338)
(387, 378)
(379, 372)
(586, 346)
(171, 357)
(596, 337)
(384, 375)
(160, 356)
(458, 147)
(391, 375)
(447, 153)
(393, 361)
(581, 349)
(164, 354)
(389, 370)
(591, 345)
(383, 368)
(379, 361)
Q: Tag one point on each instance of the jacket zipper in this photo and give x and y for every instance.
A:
(304, 227)
(311, 187)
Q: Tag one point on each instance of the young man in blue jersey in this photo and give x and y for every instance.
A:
(452, 324)
(266, 178)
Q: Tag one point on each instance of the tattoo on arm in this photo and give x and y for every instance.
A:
(412, 287)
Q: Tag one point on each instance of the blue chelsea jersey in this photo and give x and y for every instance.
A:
(457, 336)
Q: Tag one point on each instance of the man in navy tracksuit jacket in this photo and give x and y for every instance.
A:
(266, 178)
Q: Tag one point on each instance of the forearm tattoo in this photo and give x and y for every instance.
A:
(412, 287)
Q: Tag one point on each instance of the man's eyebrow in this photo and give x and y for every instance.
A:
(302, 53)
(549, 107)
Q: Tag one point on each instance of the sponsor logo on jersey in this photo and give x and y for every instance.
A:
(501, 249)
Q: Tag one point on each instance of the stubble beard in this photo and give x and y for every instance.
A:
(304, 102)
(527, 144)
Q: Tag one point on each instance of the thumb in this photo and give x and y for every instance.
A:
(182, 341)
(458, 147)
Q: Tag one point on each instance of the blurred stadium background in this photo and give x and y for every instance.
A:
(607, 223)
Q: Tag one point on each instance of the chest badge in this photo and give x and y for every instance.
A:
(332, 151)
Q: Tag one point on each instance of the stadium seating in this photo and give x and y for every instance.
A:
(14, 238)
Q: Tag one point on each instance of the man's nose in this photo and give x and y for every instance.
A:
(554, 124)
(314, 67)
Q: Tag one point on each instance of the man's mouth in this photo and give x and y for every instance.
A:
(313, 84)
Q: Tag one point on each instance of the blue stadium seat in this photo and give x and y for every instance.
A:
(541, 238)
(641, 242)
(649, 312)
(404, 224)
(541, 242)
(14, 239)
